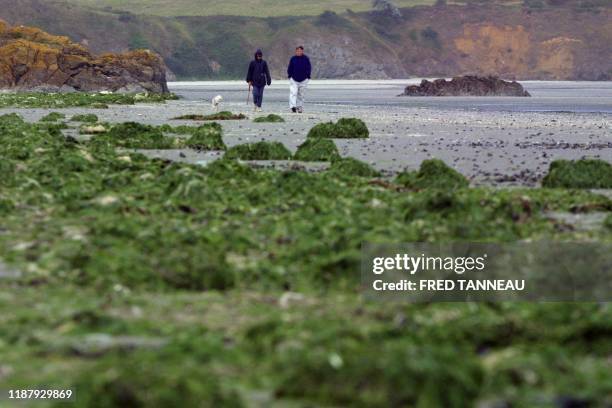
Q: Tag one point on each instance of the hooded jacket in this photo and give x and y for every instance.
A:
(258, 73)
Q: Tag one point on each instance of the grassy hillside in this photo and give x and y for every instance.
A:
(255, 8)
(535, 41)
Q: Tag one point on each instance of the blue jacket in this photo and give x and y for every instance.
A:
(299, 68)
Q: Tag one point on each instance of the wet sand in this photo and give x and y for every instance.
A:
(493, 141)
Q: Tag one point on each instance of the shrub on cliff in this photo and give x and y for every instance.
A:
(317, 149)
(587, 173)
(259, 151)
(345, 128)
(433, 174)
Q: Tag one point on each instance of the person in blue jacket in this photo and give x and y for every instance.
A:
(298, 72)
(258, 76)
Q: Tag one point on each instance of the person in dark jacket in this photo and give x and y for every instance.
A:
(298, 72)
(258, 76)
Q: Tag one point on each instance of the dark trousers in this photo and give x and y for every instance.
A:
(258, 95)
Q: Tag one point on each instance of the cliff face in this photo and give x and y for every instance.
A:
(512, 42)
(31, 59)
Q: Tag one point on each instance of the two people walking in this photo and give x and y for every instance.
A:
(298, 72)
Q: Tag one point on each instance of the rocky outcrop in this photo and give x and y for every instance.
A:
(467, 86)
(31, 59)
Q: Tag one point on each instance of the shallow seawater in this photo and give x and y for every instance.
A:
(547, 96)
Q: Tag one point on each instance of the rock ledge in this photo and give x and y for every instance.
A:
(33, 60)
(467, 86)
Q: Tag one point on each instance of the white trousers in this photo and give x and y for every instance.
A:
(297, 90)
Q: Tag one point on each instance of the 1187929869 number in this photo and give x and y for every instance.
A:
(40, 394)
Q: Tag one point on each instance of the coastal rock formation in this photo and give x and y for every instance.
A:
(467, 86)
(31, 59)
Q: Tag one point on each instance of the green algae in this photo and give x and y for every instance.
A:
(135, 136)
(271, 118)
(586, 173)
(85, 118)
(259, 151)
(352, 167)
(53, 117)
(151, 283)
(223, 115)
(433, 174)
(207, 137)
(317, 149)
(78, 99)
(345, 128)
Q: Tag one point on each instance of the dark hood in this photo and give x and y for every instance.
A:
(258, 52)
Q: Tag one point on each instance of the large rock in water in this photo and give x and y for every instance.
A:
(467, 86)
(31, 59)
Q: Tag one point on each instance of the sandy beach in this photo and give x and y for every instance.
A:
(493, 141)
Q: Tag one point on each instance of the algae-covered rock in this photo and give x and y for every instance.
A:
(271, 118)
(224, 115)
(134, 136)
(53, 117)
(86, 118)
(433, 174)
(33, 59)
(586, 173)
(207, 137)
(228, 168)
(345, 128)
(352, 167)
(259, 151)
(317, 149)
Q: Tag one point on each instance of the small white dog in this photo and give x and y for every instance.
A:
(216, 102)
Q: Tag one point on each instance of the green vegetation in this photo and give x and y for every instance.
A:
(224, 115)
(53, 117)
(134, 136)
(579, 174)
(317, 149)
(433, 174)
(352, 167)
(150, 283)
(255, 8)
(86, 118)
(207, 137)
(77, 99)
(271, 118)
(259, 151)
(345, 128)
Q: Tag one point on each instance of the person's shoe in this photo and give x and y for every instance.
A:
(259, 109)
(300, 110)
(294, 110)
(254, 108)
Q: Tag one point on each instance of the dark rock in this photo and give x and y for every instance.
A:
(31, 59)
(467, 86)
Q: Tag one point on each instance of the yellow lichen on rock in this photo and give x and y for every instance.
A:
(31, 59)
